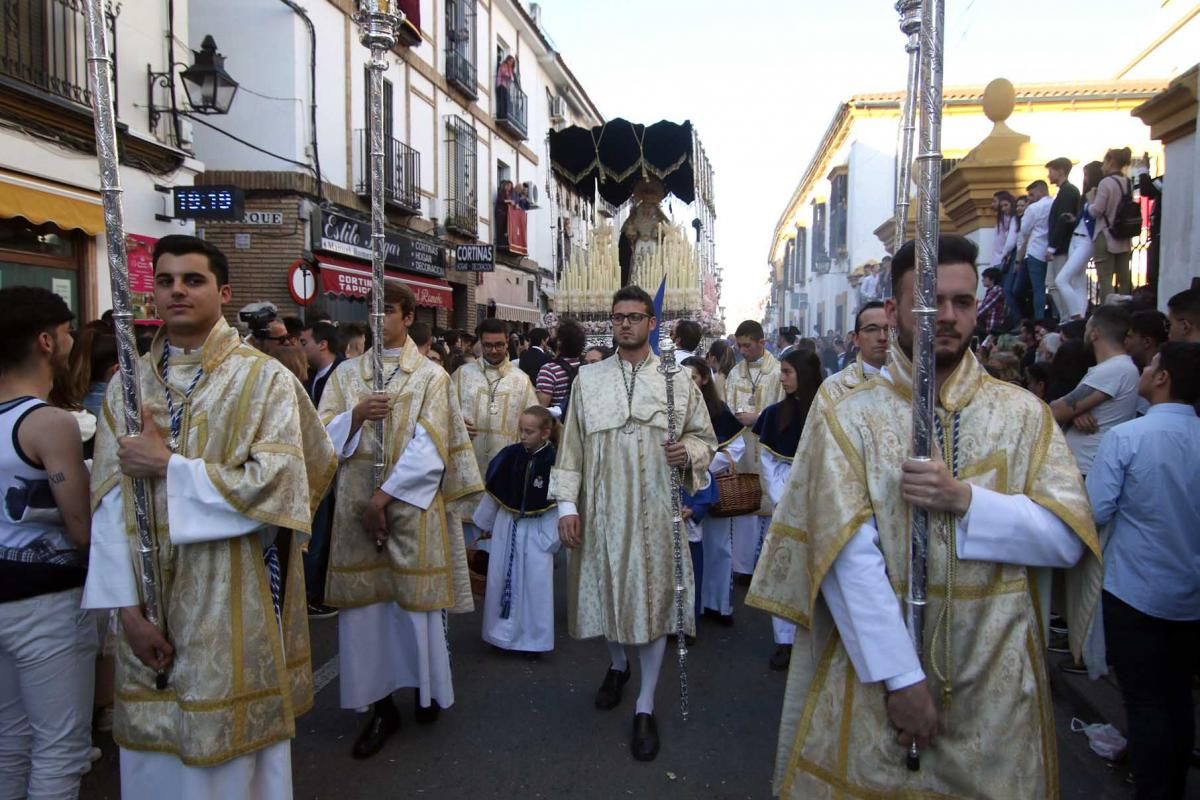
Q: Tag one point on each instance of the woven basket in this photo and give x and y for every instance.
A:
(477, 568)
(737, 494)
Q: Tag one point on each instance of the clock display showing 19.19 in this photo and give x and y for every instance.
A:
(208, 202)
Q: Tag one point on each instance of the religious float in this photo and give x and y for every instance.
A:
(630, 198)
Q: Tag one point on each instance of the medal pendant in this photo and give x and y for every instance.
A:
(493, 408)
(629, 429)
(173, 444)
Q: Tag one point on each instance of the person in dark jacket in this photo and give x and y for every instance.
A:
(1062, 225)
(538, 354)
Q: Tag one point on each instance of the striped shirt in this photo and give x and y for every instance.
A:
(553, 380)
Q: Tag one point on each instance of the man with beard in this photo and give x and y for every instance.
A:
(397, 560)
(231, 448)
(612, 481)
(47, 648)
(1003, 496)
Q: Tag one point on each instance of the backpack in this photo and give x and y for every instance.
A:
(1126, 221)
(571, 371)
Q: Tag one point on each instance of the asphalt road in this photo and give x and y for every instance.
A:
(527, 729)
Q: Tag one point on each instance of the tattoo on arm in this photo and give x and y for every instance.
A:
(1078, 395)
(57, 477)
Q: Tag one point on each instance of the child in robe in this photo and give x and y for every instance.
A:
(522, 520)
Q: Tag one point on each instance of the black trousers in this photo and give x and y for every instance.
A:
(1154, 660)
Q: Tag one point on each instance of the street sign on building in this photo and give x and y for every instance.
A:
(302, 283)
(475, 257)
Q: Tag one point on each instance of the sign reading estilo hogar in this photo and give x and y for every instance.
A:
(343, 234)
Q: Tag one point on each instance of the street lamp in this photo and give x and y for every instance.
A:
(209, 88)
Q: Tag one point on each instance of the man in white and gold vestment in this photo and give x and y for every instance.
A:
(397, 560)
(1003, 497)
(612, 481)
(233, 450)
(491, 393)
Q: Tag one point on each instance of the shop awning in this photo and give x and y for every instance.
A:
(517, 313)
(42, 201)
(350, 279)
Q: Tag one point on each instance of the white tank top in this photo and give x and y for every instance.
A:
(28, 511)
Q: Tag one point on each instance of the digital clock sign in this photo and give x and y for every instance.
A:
(208, 202)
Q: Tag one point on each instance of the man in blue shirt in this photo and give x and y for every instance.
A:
(1145, 481)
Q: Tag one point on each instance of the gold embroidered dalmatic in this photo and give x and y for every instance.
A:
(423, 567)
(234, 686)
(840, 383)
(622, 578)
(492, 398)
(753, 388)
(981, 633)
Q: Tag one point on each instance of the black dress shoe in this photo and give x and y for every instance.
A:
(609, 694)
(425, 715)
(645, 737)
(725, 619)
(781, 657)
(377, 730)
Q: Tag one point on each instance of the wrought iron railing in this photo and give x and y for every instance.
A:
(42, 46)
(461, 72)
(462, 210)
(512, 110)
(401, 171)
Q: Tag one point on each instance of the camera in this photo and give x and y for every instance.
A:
(257, 317)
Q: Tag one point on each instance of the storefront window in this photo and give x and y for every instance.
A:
(41, 255)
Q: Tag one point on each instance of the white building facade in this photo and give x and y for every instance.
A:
(459, 132)
(51, 222)
(833, 227)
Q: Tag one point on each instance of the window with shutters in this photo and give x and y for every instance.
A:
(801, 255)
(462, 215)
(820, 234)
(838, 211)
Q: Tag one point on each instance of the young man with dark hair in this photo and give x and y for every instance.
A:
(686, 335)
(491, 394)
(1183, 312)
(555, 378)
(751, 387)
(1148, 331)
(231, 448)
(397, 561)
(47, 648)
(870, 337)
(1033, 243)
(535, 357)
(1107, 395)
(422, 336)
(355, 338)
(785, 340)
(612, 481)
(992, 312)
(839, 547)
(1145, 481)
(1062, 225)
(322, 347)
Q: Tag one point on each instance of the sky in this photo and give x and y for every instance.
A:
(761, 80)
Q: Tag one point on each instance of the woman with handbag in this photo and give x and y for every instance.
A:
(1112, 243)
(778, 429)
(716, 581)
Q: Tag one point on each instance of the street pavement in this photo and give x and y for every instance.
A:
(528, 729)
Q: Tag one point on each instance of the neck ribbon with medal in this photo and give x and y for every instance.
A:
(173, 413)
(493, 406)
(630, 385)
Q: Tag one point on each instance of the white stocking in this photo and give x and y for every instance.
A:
(616, 656)
(651, 658)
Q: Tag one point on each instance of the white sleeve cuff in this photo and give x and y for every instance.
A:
(111, 579)
(484, 517)
(1012, 529)
(556, 412)
(567, 509)
(904, 681)
(196, 511)
(418, 474)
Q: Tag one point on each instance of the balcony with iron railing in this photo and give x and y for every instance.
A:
(512, 110)
(461, 72)
(42, 48)
(401, 172)
(462, 216)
